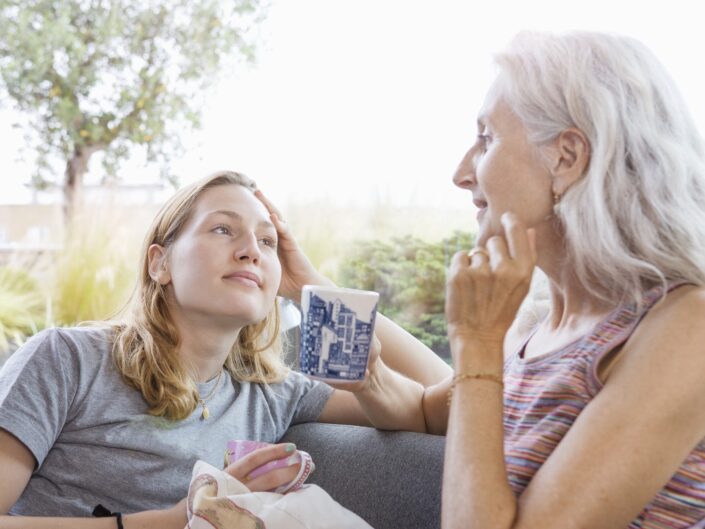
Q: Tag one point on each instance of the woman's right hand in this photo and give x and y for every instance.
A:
(243, 467)
(297, 269)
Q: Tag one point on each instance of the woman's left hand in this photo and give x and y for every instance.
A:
(486, 287)
(297, 269)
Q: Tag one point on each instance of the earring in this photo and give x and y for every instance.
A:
(556, 202)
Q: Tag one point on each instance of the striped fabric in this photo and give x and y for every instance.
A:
(543, 397)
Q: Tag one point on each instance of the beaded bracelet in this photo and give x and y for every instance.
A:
(468, 376)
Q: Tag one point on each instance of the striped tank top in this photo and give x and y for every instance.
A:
(544, 395)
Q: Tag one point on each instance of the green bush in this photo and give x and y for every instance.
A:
(22, 307)
(410, 276)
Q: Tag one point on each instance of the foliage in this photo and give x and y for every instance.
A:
(410, 276)
(95, 271)
(106, 75)
(22, 306)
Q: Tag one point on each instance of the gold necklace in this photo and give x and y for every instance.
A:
(202, 401)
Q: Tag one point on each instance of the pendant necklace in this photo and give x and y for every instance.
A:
(202, 401)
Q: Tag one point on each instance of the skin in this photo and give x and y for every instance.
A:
(650, 414)
(232, 232)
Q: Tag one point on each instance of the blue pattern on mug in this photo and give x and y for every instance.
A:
(335, 341)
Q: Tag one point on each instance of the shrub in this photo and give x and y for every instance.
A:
(410, 276)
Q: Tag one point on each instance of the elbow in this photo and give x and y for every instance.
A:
(435, 410)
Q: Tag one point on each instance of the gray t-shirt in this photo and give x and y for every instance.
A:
(61, 395)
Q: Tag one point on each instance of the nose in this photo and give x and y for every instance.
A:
(248, 248)
(464, 176)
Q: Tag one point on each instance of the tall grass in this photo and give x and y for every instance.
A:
(96, 268)
(22, 307)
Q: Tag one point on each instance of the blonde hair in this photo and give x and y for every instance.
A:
(637, 218)
(146, 341)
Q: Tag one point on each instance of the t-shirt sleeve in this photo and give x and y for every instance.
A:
(312, 401)
(296, 399)
(37, 386)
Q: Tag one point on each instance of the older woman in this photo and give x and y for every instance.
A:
(588, 165)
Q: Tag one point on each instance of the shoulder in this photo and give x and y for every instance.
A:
(65, 345)
(666, 347)
(677, 317)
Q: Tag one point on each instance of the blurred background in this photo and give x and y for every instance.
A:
(350, 114)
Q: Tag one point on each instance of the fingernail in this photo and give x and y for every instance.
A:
(290, 447)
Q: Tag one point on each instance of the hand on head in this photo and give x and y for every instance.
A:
(297, 269)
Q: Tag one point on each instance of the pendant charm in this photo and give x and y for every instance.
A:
(205, 413)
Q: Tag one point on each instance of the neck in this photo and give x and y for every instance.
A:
(204, 343)
(570, 303)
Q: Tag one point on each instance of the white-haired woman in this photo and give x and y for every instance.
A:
(116, 415)
(587, 165)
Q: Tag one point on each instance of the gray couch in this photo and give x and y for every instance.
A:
(391, 479)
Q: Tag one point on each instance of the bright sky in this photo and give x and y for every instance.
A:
(375, 100)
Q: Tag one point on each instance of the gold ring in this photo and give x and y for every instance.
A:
(478, 250)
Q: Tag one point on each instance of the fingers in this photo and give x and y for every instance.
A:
(498, 252)
(242, 468)
(274, 478)
(521, 242)
(268, 204)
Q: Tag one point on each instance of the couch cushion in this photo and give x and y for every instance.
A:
(391, 479)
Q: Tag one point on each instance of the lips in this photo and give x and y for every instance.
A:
(247, 278)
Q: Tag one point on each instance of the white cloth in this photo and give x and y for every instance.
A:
(216, 500)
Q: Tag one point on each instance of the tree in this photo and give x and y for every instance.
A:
(108, 75)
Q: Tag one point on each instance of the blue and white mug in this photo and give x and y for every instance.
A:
(337, 330)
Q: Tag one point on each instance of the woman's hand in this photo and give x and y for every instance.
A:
(486, 287)
(242, 468)
(297, 269)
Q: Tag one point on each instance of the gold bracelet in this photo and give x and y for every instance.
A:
(469, 376)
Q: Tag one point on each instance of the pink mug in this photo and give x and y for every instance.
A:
(237, 449)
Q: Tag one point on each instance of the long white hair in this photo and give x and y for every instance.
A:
(637, 218)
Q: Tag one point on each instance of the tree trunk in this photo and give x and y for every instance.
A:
(76, 168)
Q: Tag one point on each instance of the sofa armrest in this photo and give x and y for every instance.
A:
(391, 479)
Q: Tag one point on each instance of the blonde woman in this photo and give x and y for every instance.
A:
(118, 414)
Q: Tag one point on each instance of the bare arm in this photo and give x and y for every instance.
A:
(407, 355)
(18, 463)
(387, 400)
(620, 452)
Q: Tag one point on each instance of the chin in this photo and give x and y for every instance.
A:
(251, 317)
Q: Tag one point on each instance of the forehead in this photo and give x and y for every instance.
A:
(231, 197)
(494, 109)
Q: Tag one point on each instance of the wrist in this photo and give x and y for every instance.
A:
(476, 356)
(374, 378)
(173, 518)
(464, 335)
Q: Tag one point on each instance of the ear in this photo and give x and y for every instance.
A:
(158, 264)
(570, 159)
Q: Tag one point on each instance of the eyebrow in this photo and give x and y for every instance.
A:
(239, 218)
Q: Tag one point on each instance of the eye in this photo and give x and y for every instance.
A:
(484, 139)
(222, 229)
(269, 241)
